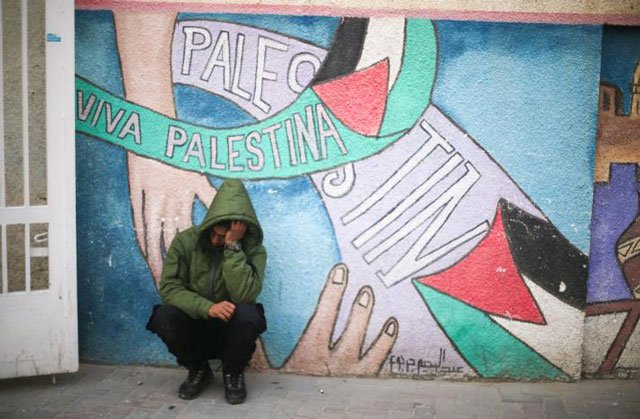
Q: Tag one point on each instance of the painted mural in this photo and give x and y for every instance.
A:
(420, 211)
(612, 335)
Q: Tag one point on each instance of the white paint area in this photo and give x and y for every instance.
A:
(560, 340)
(385, 39)
(599, 333)
(630, 357)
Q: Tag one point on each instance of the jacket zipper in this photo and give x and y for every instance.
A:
(213, 273)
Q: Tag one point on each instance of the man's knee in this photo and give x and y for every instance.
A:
(250, 315)
(166, 320)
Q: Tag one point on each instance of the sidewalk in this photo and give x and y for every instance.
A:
(137, 392)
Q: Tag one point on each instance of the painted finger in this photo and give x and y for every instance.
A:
(350, 343)
(205, 192)
(183, 218)
(374, 359)
(168, 232)
(153, 236)
(136, 195)
(154, 260)
(323, 320)
(174, 216)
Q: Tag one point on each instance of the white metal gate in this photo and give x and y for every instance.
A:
(38, 314)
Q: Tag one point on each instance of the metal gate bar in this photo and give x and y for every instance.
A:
(3, 229)
(25, 141)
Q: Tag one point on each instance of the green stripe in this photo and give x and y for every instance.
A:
(491, 350)
(154, 128)
(415, 80)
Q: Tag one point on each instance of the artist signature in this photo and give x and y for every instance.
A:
(398, 364)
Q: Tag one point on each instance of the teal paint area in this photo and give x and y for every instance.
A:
(416, 79)
(486, 346)
(528, 94)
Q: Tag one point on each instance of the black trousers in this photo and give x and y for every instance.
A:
(195, 341)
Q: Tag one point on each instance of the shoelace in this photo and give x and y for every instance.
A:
(235, 380)
(195, 375)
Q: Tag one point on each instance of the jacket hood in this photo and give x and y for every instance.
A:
(232, 202)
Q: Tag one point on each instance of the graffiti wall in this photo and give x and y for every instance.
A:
(424, 186)
(612, 335)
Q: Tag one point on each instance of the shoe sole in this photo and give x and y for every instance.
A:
(186, 397)
(235, 401)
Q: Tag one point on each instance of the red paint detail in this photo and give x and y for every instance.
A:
(488, 279)
(422, 12)
(358, 99)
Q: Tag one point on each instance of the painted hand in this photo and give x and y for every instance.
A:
(316, 354)
(235, 232)
(161, 196)
(162, 203)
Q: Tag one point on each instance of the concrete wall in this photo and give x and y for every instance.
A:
(424, 185)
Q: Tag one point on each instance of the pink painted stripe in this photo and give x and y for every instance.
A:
(529, 17)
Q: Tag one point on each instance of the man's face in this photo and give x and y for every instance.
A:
(217, 235)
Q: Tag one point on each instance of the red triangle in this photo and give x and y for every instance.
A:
(487, 279)
(358, 99)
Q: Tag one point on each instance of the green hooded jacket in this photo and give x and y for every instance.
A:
(196, 274)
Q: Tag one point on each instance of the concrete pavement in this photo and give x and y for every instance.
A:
(139, 392)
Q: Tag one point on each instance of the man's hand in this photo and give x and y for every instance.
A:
(235, 232)
(223, 311)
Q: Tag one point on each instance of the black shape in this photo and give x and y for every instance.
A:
(545, 256)
(345, 51)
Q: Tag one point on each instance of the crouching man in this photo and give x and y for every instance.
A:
(211, 278)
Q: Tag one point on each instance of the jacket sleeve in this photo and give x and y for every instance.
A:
(243, 274)
(173, 284)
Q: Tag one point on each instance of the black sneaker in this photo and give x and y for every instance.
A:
(196, 381)
(234, 389)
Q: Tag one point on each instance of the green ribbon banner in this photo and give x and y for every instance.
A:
(305, 137)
